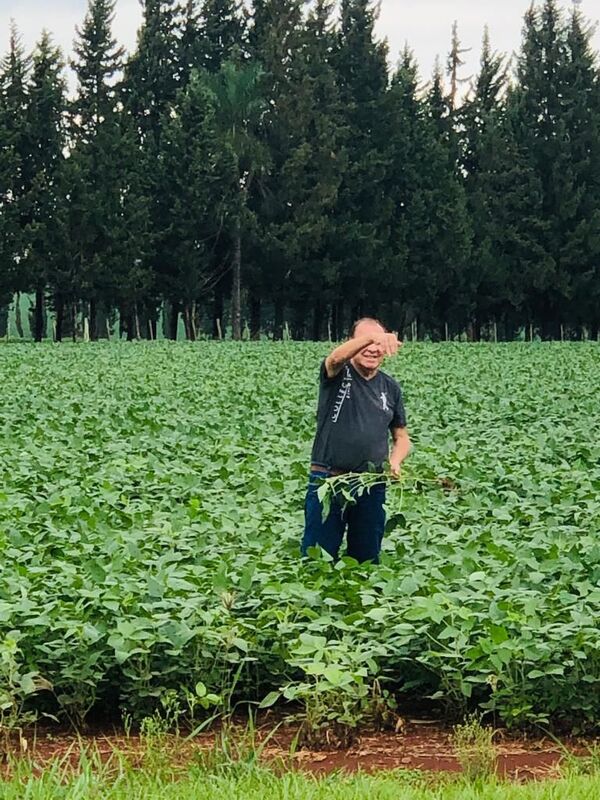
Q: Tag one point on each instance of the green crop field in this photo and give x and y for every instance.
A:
(151, 503)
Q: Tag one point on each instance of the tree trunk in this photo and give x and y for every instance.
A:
(218, 312)
(93, 323)
(3, 321)
(173, 320)
(59, 306)
(136, 319)
(197, 318)
(74, 321)
(102, 327)
(141, 319)
(18, 319)
(550, 330)
(299, 322)
(317, 321)
(148, 320)
(122, 320)
(129, 325)
(188, 321)
(193, 321)
(357, 312)
(338, 321)
(278, 322)
(38, 324)
(255, 313)
(473, 331)
(236, 288)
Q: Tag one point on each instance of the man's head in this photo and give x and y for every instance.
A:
(371, 357)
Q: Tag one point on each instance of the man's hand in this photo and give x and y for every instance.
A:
(395, 468)
(388, 342)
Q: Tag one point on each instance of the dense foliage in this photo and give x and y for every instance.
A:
(151, 511)
(252, 165)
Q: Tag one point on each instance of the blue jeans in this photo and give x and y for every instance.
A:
(364, 518)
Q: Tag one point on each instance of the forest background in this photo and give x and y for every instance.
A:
(260, 169)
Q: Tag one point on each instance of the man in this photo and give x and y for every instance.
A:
(358, 408)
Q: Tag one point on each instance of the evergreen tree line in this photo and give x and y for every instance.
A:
(249, 169)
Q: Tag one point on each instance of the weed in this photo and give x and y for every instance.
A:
(474, 747)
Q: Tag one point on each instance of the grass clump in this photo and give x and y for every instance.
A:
(474, 747)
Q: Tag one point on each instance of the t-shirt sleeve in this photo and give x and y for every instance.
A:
(324, 378)
(399, 418)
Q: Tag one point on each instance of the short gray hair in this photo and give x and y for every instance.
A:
(365, 319)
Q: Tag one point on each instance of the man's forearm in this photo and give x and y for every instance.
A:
(400, 448)
(344, 352)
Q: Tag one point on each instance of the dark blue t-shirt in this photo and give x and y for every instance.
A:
(354, 418)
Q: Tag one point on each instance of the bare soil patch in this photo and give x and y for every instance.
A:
(419, 746)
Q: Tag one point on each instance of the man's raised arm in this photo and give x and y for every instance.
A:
(387, 343)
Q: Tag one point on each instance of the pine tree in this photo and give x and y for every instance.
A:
(98, 182)
(539, 131)
(483, 153)
(223, 32)
(98, 60)
(134, 282)
(554, 115)
(406, 113)
(200, 175)
(439, 106)
(275, 41)
(445, 106)
(8, 223)
(239, 109)
(44, 201)
(151, 82)
(7, 172)
(363, 210)
(486, 97)
(303, 130)
(188, 52)
(15, 166)
(431, 238)
(213, 31)
(506, 206)
(581, 98)
(314, 172)
(453, 66)
(151, 74)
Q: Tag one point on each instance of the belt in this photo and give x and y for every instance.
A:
(330, 470)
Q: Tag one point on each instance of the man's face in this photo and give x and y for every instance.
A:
(372, 356)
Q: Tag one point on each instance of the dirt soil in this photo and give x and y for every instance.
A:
(428, 746)
(420, 745)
